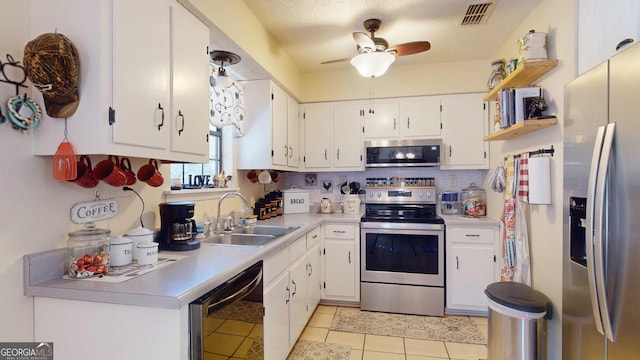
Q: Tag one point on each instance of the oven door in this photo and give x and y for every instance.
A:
(400, 253)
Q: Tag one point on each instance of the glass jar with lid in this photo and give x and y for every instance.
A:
(88, 252)
(474, 201)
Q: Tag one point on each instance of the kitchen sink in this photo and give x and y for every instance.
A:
(264, 230)
(237, 239)
(256, 235)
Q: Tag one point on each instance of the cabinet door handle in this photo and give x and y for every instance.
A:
(310, 269)
(288, 296)
(338, 154)
(623, 43)
(290, 152)
(286, 151)
(349, 257)
(449, 150)
(394, 123)
(182, 118)
(295, 288)
(325, 154)
(457, 263)
(472, 235)
(408, 123)
(162, 118)
(339, 231)
(314, 237)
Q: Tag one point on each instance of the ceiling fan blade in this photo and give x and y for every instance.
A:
(363, 40)
(335, 61)
(411, 48)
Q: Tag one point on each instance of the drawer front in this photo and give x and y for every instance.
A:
(335, 231)
(471, 235)
(275, 265)
(297, 249)
(313, 237)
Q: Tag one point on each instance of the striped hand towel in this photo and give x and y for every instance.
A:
(523, 178)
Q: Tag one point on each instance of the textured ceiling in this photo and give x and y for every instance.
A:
(313, 31)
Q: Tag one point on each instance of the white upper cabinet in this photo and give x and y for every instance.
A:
(420, 117)
(409, 118)
(271, 134)
(190, 94)
(465, 123)
(602, 26)
(347, 136)
(381, 119)
(318, 142)
(126, 70)
(333, 136)
(293, 133)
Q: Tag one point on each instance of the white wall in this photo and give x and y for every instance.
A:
(34, 208)
(558, 19)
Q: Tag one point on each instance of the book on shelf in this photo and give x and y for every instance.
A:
(515, 103)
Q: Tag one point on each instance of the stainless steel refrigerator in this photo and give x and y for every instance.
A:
(601, 246)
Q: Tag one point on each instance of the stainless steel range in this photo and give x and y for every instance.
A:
(402, 251)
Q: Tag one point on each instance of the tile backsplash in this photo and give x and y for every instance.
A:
(328, 184)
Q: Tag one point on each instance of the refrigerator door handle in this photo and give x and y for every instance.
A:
(602, 237)
(590, 231)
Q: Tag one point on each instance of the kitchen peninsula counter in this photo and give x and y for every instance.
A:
(172, 286)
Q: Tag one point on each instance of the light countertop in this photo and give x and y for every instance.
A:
(172, 286)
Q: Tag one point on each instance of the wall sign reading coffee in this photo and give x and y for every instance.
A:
(90, 211)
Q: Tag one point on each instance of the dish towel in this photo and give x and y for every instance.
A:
(523, 177)
(510, 165)
(522, 272)
(508, 246)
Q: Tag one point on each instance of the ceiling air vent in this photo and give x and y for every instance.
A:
(477, 14)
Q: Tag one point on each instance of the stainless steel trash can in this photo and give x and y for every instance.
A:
(517, 322)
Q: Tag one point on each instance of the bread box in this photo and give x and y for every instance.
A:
(295, 201)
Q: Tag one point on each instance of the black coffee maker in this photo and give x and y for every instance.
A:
(177, 227)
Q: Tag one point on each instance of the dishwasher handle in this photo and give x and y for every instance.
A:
(232, 290)
(237, 295)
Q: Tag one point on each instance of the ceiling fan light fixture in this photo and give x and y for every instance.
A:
(373, 64)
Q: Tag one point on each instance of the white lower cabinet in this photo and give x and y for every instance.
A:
(471, 266)
(290, 294)
(341, 263)
(276, 318)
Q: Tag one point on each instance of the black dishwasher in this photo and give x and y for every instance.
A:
(227, 322)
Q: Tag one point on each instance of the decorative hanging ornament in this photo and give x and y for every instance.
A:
(23, 112)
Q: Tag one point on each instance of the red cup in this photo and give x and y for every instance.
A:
(252, 175)
(131, 176)
(149, 173)
(274, 176)
(109, 172)
(85, 176)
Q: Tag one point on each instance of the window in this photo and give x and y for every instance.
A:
(196, 176)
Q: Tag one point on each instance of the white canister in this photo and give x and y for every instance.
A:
(121, 251)
(351, 204)
(147, 253)
(139, 235)
(533, 46)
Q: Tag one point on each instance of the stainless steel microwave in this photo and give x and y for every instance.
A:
(382, 153)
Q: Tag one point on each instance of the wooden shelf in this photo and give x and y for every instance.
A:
(525, 74)
(522, 128)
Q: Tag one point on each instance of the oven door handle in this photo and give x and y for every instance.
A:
(241, 293)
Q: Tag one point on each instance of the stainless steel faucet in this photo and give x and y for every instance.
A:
(226, 195)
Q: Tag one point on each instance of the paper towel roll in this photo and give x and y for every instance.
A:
(540, 180)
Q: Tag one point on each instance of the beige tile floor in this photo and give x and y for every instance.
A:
(376, 347)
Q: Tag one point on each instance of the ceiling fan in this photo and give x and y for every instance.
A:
(376, 65)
